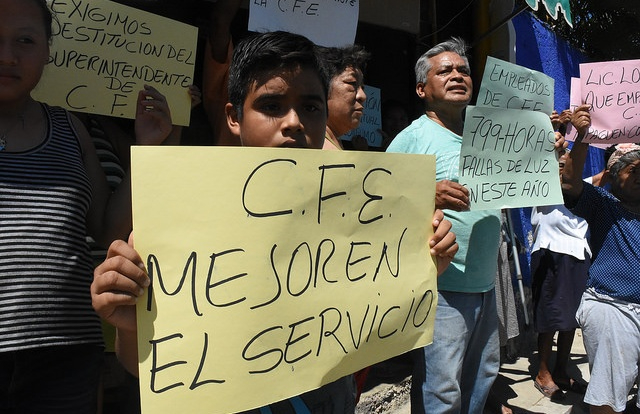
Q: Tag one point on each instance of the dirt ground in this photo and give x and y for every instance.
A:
(386, 398)
(387, 389)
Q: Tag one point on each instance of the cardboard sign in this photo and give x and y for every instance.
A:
(508, 159)
(613, 91)
(103, 53)
(325, 22)
(507, 85)
(275, 271)
(575, 100)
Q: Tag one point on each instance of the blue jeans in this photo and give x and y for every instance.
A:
(454, 374)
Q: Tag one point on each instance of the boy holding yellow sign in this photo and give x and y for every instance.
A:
(278, 98)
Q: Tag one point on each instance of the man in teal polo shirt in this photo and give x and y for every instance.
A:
(455, 373)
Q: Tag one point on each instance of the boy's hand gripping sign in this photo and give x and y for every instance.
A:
(275, 271)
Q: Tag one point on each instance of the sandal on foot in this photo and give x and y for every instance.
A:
(553, 393)
(573, 385)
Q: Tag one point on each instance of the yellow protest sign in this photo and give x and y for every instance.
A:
(104, 52)
(275, 271)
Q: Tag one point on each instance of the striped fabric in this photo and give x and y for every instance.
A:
(113, 171)
(45, 267)
(109, 161)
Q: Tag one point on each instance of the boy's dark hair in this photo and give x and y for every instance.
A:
(338, 59)
(261, 53)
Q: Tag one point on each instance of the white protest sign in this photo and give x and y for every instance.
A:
(325, 22)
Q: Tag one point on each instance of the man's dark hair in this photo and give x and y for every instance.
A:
(338, 59)
(257, 56)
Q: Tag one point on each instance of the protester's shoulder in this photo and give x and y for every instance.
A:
(558, 209)
(592, 200)
(590, 192)
(61, 118)
(53, 110)
(409, 139)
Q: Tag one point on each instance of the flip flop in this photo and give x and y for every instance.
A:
(553, 393)
(573, 385)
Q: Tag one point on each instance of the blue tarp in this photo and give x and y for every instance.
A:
(538, 48)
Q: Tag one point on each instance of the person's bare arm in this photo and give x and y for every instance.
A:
(572, 183)
(216, 69)
(221, 16)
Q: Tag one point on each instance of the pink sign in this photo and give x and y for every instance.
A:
(613, 91)
(575, 100)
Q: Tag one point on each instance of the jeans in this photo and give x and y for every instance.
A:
(454, 374)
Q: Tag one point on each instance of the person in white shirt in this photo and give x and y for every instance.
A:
(560, 262)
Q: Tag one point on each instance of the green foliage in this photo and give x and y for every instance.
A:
(602, 29)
